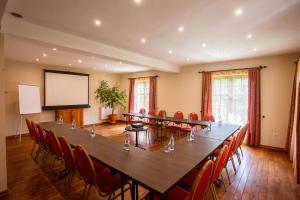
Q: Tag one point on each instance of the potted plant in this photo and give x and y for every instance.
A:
(110, 97)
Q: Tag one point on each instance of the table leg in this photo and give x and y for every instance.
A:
(136, 138)
(136, 191)
(122, 187)
(151, 195)
(133, 191)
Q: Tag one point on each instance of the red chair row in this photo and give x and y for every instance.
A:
(77, 160)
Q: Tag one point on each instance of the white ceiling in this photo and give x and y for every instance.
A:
(27, 50)
(274, 24)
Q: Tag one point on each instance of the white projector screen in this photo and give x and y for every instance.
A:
(29, 99)
(66, 90)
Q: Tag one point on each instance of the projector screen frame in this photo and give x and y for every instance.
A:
(65, 106)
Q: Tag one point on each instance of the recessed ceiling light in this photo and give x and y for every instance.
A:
(94, 67)
(37, 60)
(137, 1)
(180, 29)
(93, 57)
(97, 22)
(143, 40)
(238, 11)
(79, 60)
(120, 62)
(249, 36)
(70, 65)
(44, 55)
(188, 59)
(105, 66)
(203, 45)
(54, 49)
(254, 49)
(170, 51)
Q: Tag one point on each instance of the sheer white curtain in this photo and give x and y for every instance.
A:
(230, 96)
(141, 94)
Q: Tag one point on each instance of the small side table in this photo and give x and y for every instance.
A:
(136, 130)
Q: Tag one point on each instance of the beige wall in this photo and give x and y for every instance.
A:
(20, 72)
(3, 171)
(182, 91)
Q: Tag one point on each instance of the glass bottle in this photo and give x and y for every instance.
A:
(126, 141)
(73, 125)
(191, 136)
(220, 120)
(171, 143)
(93, 134)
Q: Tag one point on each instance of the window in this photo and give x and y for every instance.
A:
(141, 94)
(230, 96)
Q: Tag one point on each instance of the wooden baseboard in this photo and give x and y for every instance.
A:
(17, 136)
(4, 193)
(273, 148)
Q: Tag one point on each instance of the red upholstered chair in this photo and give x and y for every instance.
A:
(192, 116)
(199, 188)
(32, 134)
(209, 118)
(246, 127)
(43, 146)
(54, 147)
(239, 142)
(175, 126)
(105, 181)
(218, 167)
(69, 159)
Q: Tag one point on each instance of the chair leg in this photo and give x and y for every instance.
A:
(213, 190)
(238, 157)
(233, 164)
(241, 151)
(37, 153)
(88, 192)
(32, 148)
(224, 184)
(228, 175)
(84, 191)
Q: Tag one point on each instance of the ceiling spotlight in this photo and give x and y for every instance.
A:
(137, 1)
(37, 60)
(44, 55)
(238, 12)
(254, 49)
(105, 66)
(120, 62)
(70, 65)
(249, 36)
(143, 40)
(97, 22)
(170, 51)
(79, 60)
(180, 29)
(94, 67)
(203, 45)
(93, 57)
(54, 49)
(188, 59)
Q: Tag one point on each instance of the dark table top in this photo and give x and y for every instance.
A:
(158, 171)
(169, 119)
(218, 132)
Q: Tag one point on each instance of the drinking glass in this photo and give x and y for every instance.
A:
(93, 134)
(73, 125)
(126, 141)
(220, 120)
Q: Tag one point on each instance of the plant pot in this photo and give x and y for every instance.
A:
(112, 119)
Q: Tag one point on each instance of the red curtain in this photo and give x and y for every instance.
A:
(152, 94)
(131, 95)
(292, 114)
(298, 137)
(206, 107)
(253, 138)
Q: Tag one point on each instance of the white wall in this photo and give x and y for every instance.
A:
(182, 91)
(3, 171)
(20, 72)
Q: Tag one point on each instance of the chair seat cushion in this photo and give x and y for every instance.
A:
(108, 182)
(173, 127)
(187, 129)
(98, 166)
(175, 193)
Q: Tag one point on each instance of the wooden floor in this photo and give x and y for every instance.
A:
(263, 174)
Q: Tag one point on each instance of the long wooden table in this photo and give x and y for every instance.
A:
(156, 171)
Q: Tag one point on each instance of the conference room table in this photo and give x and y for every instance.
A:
(158, 120)
(156, 171)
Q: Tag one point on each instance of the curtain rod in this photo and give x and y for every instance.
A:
(224, 70)
(156, 76)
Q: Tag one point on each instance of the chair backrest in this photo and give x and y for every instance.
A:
(193, 116)
(230, 148)
(151, 112)
(67, 153)
(178, 115)
(35, 132)
(202, 181)
(246, 127)
(208, 118)
(162, 113)
(219, 163)
(53, 144)
(142, 111)
(41, 136)
(239, 138)
(28, 123)
(84, 165)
